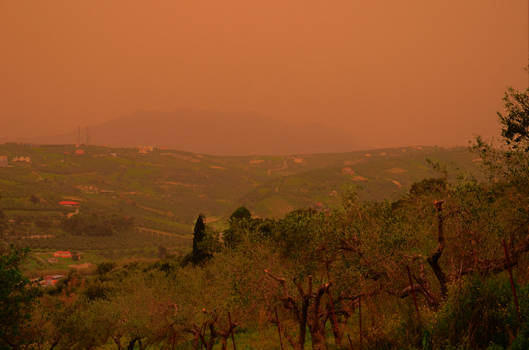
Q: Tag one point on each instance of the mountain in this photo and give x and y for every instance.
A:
(212, 133)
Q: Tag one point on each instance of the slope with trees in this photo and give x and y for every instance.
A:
(442, 267)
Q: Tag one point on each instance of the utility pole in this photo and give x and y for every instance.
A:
(79, 135)
(87, 136)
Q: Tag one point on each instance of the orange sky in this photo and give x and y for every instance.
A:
(389, 72)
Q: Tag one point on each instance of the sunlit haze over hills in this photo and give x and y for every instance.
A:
(236, 77)
(264, 175)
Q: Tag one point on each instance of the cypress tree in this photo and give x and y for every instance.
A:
(199, 233)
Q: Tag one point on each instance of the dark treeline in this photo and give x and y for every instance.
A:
(97, 224)
(444, 267)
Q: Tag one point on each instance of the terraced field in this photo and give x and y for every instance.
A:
(165, 190)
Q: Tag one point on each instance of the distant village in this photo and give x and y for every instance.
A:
(79, 151)
(4, 160)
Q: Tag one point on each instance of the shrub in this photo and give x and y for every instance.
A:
(480, 314)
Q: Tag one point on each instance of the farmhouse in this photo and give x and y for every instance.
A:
(62, 254)
(145, 149)
(22, 159)
(70, 204)
(50, 280)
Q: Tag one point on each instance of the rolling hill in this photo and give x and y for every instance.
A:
(211, 133)
(166, 189)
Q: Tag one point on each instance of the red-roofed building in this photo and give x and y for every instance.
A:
(50, 280)
(69, 204)
(62, 254)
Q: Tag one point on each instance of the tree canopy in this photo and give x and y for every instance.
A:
(17, 296)
(515, 119)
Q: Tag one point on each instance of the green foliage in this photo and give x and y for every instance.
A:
(3, 222)
(515, 119)
(429, 186)
(105, 267)
(427, 269)
(199, 233)
(199, 253)
(205, 243)
(479, 314)
(243, 228)
(96, 290)
(240, 214)
(17, 296)
(239, 223)
(97, 224)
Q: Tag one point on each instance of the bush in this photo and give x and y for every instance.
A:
(97, 224)
(480, 314)
(17, 296)
(105, 267)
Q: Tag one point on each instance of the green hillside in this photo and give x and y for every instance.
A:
(165, 190)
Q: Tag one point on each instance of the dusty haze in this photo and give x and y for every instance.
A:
(388, 73)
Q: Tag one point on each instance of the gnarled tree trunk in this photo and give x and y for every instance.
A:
(306, 312)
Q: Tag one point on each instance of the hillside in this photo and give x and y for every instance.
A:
(212, 133)
(384, 260)
(166, 189)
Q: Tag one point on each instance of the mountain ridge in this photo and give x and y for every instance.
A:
(212, 133)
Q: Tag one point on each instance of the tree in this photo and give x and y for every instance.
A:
(97, 224)
(34, 199)
(240, 213)
(305, 309)
(238, 221)
(515, 119)
(199, 253)
(17, 296)
(3, 222)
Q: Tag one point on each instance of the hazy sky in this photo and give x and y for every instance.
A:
(390, 72)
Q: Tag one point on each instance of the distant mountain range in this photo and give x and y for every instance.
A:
(211, 133)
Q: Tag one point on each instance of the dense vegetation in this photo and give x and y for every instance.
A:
(444, 266)
(97, 224)
(166, 189)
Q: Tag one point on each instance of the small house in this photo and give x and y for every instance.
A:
(62, 254)
(145, 149)
(70, 204)
(22, 159)
(50, 280)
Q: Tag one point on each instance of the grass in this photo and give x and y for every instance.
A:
(42, 262)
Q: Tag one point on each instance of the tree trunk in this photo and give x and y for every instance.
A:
(196, 341)
(318, 339)
(131, 344)
(433, 259)
(56, 342)
(224, 343)
(303, 323)
(335, 323)
(117, 341)
(299, 346)
(212, 337)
